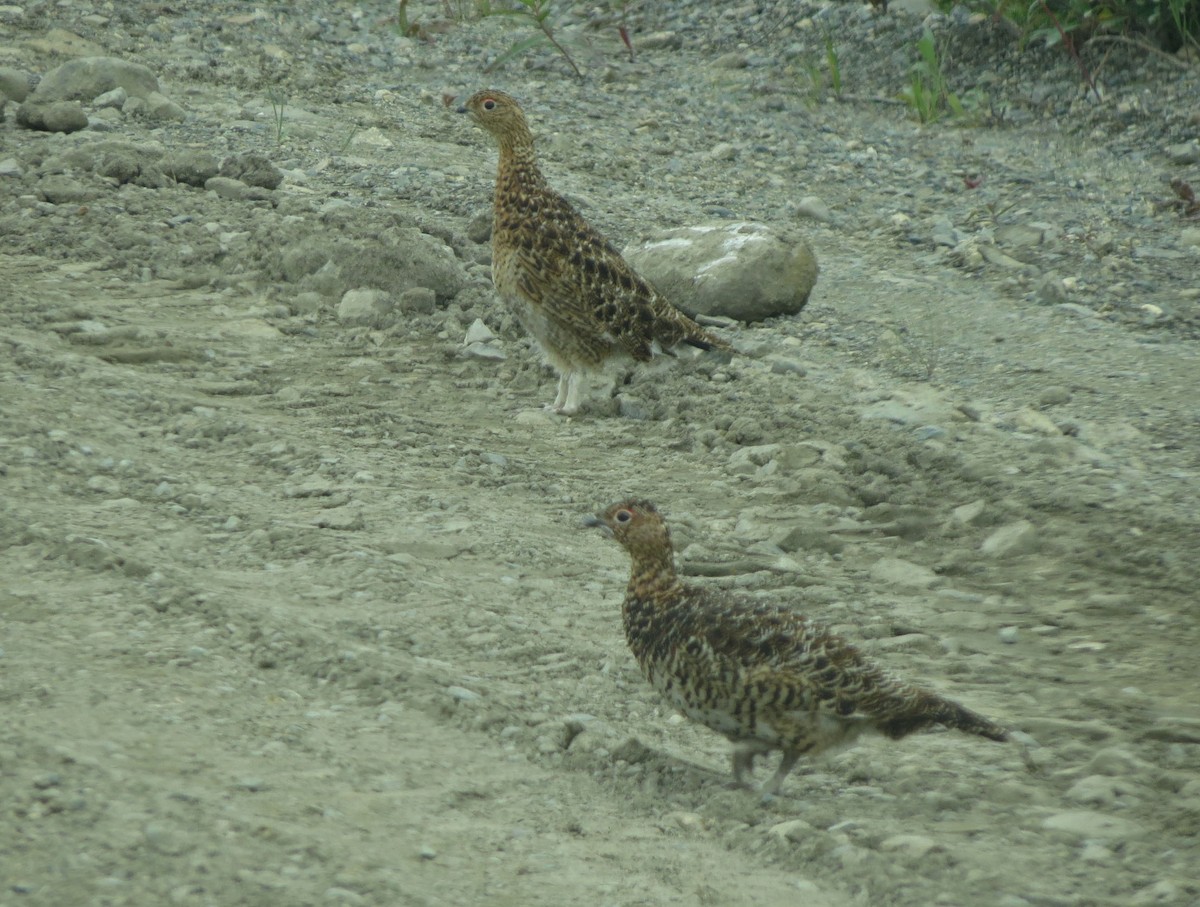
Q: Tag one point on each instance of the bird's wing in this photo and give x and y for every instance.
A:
(776, 645)
(580, 277)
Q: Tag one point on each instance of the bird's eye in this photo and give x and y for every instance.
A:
(489, 104)
(624, 516)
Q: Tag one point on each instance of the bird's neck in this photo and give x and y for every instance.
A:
(518, 170)
(653, 577)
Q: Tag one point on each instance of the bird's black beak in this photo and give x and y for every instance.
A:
(591, 521)
(463, 109)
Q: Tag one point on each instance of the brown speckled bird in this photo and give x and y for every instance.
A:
(759, 673)
(567, 285)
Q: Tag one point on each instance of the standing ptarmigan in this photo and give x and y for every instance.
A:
(567, 285)
(757, 672)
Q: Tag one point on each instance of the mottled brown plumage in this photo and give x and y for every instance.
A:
(567, 285)
(759, 673)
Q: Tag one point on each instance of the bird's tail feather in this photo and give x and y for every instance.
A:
(937, 710)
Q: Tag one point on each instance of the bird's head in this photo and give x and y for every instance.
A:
(498, 113)
(635, 524)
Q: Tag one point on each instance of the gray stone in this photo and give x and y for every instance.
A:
(1164, 891)
(1020, 235)
(969, 514)
(166, 837)
(15, 84)
(193, 167)
(479, 227)
(781, 365)
(722, 151)
(417, 299)
(478, 332)
(228, 187)
(1016, 538)
(741, 270)
(896, 572)
(994, 256)
(59, 116)
(1100, 790)
(307, 303)
(115, 98)
(807, 538)
(794, 830)
(365, 306)
(1034, 422)
(659, 40)
(1115, 761)
(10, 166)
(912, 846)
(1083, 824)
(62, 190)
(253, 169)
(1054, 395)
(1184, 152)
(159, 107)
(484, 351)
(90, 77)
(1175, 729)
(814, 208)
(398, 258)
(1051, 290)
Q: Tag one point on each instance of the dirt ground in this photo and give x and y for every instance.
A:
(297, 610)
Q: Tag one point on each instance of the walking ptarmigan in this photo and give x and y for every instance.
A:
(759, 673)
(567, 285)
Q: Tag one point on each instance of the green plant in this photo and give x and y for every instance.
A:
(831, 62)
(1185, 16)
(349, 139)
(538, 13)
(828, 78)
(928, 93)
(278, 103)
(404, 26)
(1160, 25)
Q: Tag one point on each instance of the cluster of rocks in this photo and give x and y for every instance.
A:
(109, 86)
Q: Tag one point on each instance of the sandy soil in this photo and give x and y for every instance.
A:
(297, 611)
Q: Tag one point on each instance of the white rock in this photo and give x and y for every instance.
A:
(88, 77)
(1030, 420)
(896, 572)
(1016, 538)
(914, 846)
(793, 830)
(1099, 790)
(484, 351)
(478, 332)
(813, 207)
(1114, 761)
(1085, 824)
(366, 306)
(968, 514)
(115, 98)
(742, 270)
